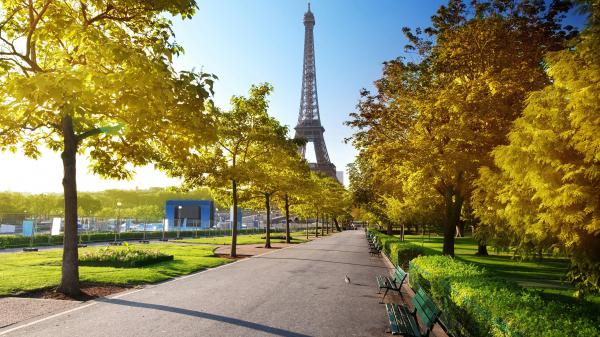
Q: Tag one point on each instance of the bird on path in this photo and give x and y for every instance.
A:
(347, 279)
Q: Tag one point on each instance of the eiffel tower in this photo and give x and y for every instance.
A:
(309, 120)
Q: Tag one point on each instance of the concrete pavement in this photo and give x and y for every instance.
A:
(296, 291)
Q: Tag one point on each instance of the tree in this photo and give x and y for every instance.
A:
(367, 188)
(244, 136)
(327, 198)
(442, 116)
(337, 200)
(294, 174)
(545, 184)
(88, 205)
(275, 173)
(93, 78)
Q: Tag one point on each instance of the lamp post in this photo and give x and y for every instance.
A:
(179, 220)
(118, 224)
(218, 224)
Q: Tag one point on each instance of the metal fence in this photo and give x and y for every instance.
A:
(27, 225)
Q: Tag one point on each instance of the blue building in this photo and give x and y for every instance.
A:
(189, 214)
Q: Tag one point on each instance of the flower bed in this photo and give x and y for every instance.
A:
(122, 257)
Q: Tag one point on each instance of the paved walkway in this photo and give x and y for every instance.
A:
(296, 291)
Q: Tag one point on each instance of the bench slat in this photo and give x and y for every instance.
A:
(413, 327)
(426, 309)
(404, 320)
(392, 318)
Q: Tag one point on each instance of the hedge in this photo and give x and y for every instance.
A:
(16, 241)
(476, 303)
(397, 250)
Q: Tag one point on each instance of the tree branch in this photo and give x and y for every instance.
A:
(88, 133)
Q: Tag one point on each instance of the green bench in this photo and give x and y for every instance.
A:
(404, 322)
(374, 248)
(371, 239)
(392, 283)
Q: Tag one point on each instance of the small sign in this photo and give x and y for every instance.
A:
(55, 226)
(27, 227)
(7, 229)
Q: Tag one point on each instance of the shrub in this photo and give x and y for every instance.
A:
(476, 303)
(399, 252)
(16, 241)
(122, 257)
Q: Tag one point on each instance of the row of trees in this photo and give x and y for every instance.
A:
(495, 124)
(252, 162)
(96, 78)
(143, 204)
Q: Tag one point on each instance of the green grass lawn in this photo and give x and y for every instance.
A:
(297, 237)
(21, 272)
(547, 276)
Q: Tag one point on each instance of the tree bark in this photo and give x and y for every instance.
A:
(317, 226)
(268, 231)
(453, 200)
(287, 219)
(482, 249)
(460, 229)
(389, 228)
(306, 228)
(234, 220)
(322, 224)
(69, 283)
(337, 225)
(402, 234)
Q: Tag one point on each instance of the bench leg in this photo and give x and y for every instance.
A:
(385, 293)
(400, 292)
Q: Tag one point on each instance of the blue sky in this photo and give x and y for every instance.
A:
(246, 42)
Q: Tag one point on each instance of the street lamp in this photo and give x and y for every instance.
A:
(118, 224)
(179, 220)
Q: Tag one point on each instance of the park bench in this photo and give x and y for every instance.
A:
(393, 283)
(404, 322)
(371, 239)
(374, 248)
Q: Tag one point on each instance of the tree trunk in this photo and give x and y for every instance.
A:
(402, 234)
(453, 201)
(322, 224)
(482, 249)
(234, 220)
(460, 229)
(389, 228)
(337, 225)
(268, 232)
(317, 226)
(69, 283)
(287, 219)
(306, 228)
(327, 224)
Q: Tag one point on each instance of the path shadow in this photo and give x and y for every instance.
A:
(205, 315)
(314, 260)
(313, 243)
(335, 250)
(360, 284)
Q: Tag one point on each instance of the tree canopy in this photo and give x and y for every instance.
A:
(544, 188)
(434, 122)
(94, 78)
